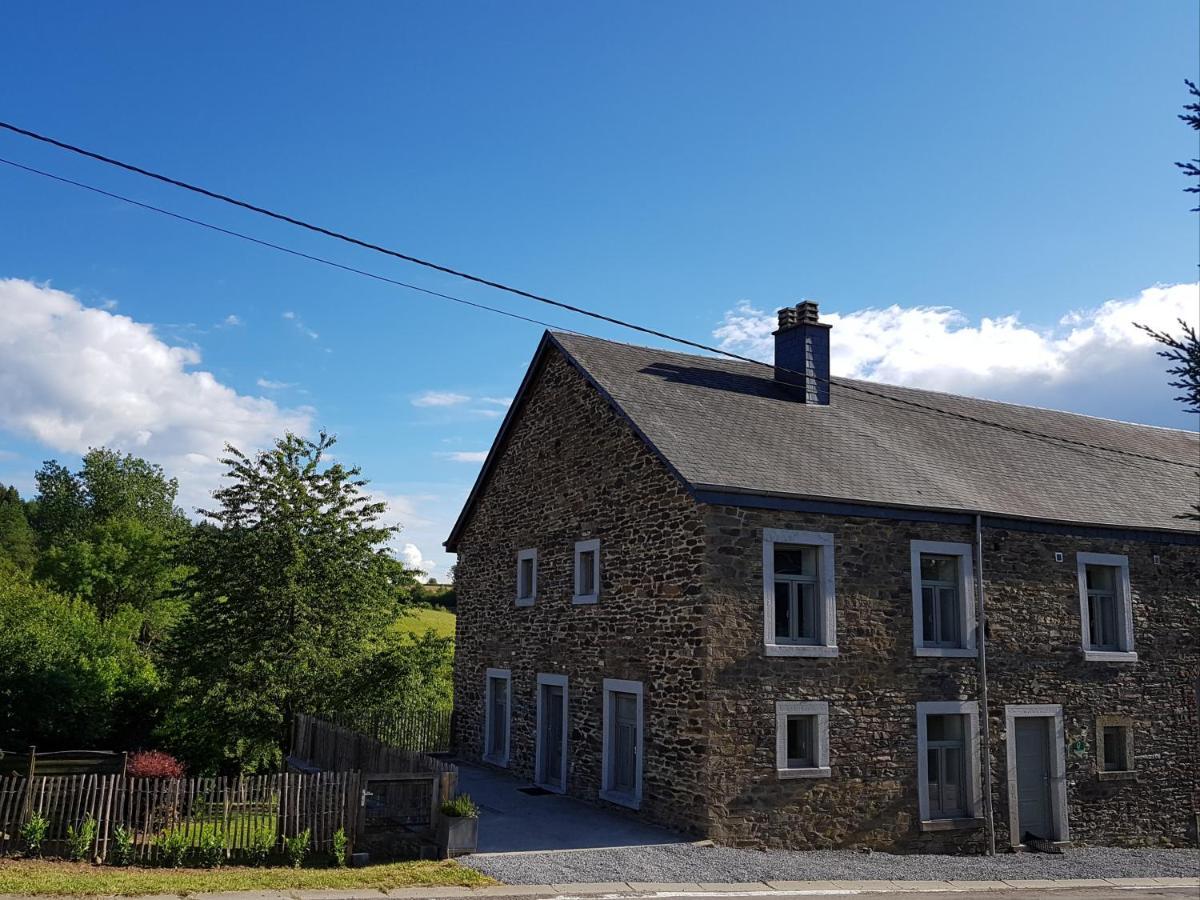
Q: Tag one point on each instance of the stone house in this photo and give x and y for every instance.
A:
(744, 602)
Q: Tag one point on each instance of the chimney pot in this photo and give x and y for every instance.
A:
(802, 352)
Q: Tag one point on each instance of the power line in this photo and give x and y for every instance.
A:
(499, 286)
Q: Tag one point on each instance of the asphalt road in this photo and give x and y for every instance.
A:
(1181, 893)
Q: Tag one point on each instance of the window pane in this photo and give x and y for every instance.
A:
(939, 568)
(801, 742)
(587, 572)
(1102, 620)
(948, 627)
(933, 780)
(795, 560)
(526, 579)
(952, 782)
(783, 611)
(929, 630)
(1115, 758)
(808, 611)
(944, 728)
(1101, 578)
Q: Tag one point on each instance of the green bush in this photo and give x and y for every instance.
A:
(262, 842)
(210, 851)
(296, 847)
(461, 807)
(121, 851)
(79, 840)
(33, 833)
(340, 845)
(172, 847)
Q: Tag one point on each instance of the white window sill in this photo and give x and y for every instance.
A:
(1121, 656)
(960, 652)
(816, 772)
(967, 824)
(525, 601)
(1116, 775)
(628, 800)
(583, 599)
(799, 650)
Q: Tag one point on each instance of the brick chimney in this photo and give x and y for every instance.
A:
(802, 349)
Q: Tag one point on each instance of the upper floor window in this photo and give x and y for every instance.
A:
(799, 611)
(943, 599)
(526, 577)
(587, 571)
(948, 760)
(1105, 608)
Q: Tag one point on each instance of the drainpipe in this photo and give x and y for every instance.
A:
(981, 643)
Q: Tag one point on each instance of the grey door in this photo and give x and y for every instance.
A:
(551, 736)
(624, 743)
(1033, 777)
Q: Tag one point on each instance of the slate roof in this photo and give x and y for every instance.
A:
(727, 426)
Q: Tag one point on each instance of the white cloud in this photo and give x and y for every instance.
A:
(74, 377)
(1092, 361)
(268, 384)
(466, 456)
(497, 401)
(413, 558)
(300, 326)
(230, 321)
(440, 398)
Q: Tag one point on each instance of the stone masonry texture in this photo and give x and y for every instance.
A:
(681, 611)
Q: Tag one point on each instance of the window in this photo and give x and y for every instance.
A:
(496, 717)
(526, 577)
(587, 571)
(802, 739)
(799, 610)
(621, 773)
(943, 599)
(948, 761)
(1114, 747)
(1105, 609)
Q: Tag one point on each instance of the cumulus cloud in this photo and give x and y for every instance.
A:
(230, 321)
(269, 385)
(74, 377)
(440, 398)
(414, 559)
(1093, 361)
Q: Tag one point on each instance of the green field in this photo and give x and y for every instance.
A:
(418, 621)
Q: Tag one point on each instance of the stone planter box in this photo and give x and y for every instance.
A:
(457, 835)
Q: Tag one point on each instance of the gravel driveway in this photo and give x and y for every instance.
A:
(690, 863)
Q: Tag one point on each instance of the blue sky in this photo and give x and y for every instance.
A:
(921, 170)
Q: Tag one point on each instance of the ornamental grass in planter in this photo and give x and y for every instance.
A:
(458, 827)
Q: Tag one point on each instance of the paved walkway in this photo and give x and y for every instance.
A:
(513, 821)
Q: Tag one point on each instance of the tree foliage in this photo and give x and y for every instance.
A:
(290, 582)
(1191, 115)
(18, 543)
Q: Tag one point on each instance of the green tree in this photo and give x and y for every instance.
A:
(110, 534)
(1183, 351)
(18, 543)
(68, 679)
(290, 581)
(1191, 115)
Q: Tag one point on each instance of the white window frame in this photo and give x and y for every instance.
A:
(974, 794)
(826, 602)
(619, 686)
(1124, 616)
(1058, 768)
(545, 678)
(506, 676)
(582, 547)
(966, 596)
(523, 555)
(818, 709)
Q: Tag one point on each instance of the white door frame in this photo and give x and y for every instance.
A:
(561, 681)
(504, 675)
(611, 686)
(1058, 768)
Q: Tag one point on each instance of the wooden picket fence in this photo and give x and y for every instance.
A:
(332, 747)
(418, 730)
(241, 810)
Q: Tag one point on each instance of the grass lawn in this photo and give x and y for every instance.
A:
(52, 877)
(418, 621)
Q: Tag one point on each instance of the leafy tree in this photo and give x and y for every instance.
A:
(1184, 352)
(68, 679)
(290, 581)
(110, 533)
(18, 543)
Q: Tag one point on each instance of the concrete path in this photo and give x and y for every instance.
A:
(513, 821)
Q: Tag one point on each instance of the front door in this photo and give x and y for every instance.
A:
(551, 736)
(1033, 777)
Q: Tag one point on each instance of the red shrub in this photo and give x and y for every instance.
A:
(154, 764)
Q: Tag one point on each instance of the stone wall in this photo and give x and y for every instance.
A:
(574, 470)
(875, 682)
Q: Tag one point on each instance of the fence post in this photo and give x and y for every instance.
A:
(28, 806)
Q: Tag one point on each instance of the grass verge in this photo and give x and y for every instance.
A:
(55, 878)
